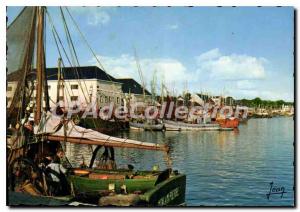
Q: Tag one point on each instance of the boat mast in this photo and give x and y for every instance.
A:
(153, 87)
(59, 81)
(27, 65)
(40, 63)
(140, 73)
(162, 91)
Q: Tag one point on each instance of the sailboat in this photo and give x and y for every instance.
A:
(144, 124)
(33, 132)
(184, 125)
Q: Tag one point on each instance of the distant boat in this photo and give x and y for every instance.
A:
(228, 122)
(262, 115)
(151, 126)
(181, 126)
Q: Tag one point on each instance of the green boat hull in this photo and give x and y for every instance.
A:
(169, 192)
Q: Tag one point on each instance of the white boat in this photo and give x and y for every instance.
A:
(146, 126)
(181, 126)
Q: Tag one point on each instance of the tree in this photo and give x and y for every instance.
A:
(257, 101)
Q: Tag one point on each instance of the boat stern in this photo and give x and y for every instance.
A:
(170, 192)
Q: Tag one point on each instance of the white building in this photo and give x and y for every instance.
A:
(81, 86)
(85, 85)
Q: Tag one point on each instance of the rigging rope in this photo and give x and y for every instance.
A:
(90, 48)
(92, 51)
(71, 47)
(55, 34)
(86, 42)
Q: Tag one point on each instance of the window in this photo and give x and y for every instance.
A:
(9, 88)
(73, 87)
(118, 100)
(74, 98)
(101, 99)
(61, 98)
(106, 99)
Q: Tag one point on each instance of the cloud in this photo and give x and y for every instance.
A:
(125, 66)
(172, 26)
(245, 85)
(209, 55)
(94, 16)
(238, 75)
(230, 67)
(101, 18)
(263, 94)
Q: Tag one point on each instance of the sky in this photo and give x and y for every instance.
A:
(243, 52)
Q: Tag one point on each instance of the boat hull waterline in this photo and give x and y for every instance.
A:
(146, 127)
(180, 126)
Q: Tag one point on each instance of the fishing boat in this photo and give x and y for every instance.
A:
(228, 122)
(262, 113)
(92, 185)
(142, 188)
(30, 141)
(144, 124)
(149, 125)
(181, 126)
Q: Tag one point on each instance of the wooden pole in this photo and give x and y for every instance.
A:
(58, 79)
(39, 64)
(45, 82)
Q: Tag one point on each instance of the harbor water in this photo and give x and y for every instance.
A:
(229, 168)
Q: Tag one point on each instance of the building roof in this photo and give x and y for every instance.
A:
(83, 72)
(89, 72)
(132, 86)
